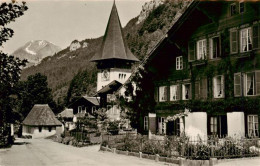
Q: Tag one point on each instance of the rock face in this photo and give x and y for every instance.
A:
(35, 50)
(85, 44)
(75, 45)
(147, 8)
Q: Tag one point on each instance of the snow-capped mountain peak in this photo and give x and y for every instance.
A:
(35, 50)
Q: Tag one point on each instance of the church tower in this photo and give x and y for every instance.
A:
(114, 59)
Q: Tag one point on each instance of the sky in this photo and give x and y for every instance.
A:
(62, 21)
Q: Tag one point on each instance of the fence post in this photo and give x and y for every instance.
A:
(181, 162)
(182, 150)
(212, 161)
(140, 155)
(114, 150)
(212, 151)
(157, 157)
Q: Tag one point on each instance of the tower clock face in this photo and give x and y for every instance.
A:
(105, 75)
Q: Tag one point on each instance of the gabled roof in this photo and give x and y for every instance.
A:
(110, 88)
(41, 115)
(67, 113)
(113, 44)
(93, 100)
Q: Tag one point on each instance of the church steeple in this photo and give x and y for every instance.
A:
(113, 44)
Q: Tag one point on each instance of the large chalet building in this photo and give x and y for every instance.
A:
(206, 72)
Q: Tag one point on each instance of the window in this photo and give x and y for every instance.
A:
(250, 84)
(241, 7)
(201, 49)
(40, 129)
(161, 125)
(217, 125)
(247, 84)
(49, 128)
(232, 9)
(179, 63)
(218, 82)
(213, 125)
(93, 109)
(173, 127)
(245, 40)
(186, 91)
(83, 109)
(174, 92)
(252, 123)
(201, 89)
(79, 109)
(163, 93)
(146, 123)
(215, 47)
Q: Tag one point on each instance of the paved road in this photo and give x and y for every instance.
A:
(41, 152)
(240, 162)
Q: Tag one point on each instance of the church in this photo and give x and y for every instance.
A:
(114, 61)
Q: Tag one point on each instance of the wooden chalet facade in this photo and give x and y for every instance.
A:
(85, 105)
(207, 72)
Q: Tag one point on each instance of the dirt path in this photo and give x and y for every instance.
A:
(39, 152)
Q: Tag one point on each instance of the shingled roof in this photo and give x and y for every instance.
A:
(41, 115)
(113, 44)
(67, 113)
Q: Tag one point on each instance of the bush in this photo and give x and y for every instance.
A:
(113, 127)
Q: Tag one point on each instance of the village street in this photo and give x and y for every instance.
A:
(38, 152)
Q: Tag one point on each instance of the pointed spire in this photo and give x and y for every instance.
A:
(113, 44)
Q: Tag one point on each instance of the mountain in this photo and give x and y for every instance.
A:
(71, 74)
(34, 51)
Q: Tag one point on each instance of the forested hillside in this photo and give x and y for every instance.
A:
(70, 74)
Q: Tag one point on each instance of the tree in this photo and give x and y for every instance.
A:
(82, 84)
(34, 91)
(10, 67)
(143, 102)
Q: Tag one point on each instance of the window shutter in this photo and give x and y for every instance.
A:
(190, 92)
(233, 41)
(204, 88)
(197, 90)
(246, 125)
(257, 80)
(223, 85)
(208, 125)
(178, 92)
(168, 93)
(237, 84)
(255, 36)
(192, 51)
(165, 93)
(156, 96)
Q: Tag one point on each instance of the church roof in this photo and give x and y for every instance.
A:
(41, 115)
(113, 44)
